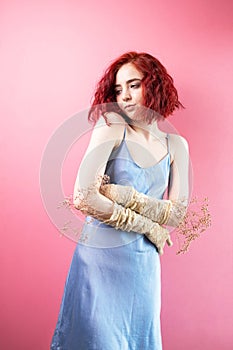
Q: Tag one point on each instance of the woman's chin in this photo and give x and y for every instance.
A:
(135, 116)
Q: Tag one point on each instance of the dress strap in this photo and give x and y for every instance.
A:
(122, 141)
(168, 146)
(124, 133)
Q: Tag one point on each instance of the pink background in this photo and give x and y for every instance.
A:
(52, 54)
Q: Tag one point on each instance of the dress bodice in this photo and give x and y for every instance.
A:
(123, 170)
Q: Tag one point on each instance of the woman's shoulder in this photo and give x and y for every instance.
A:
(177, 140)
(112, 130)
(178, 145)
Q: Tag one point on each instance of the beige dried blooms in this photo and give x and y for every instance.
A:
(196, 221)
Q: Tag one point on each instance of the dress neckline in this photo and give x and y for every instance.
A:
(149, 167)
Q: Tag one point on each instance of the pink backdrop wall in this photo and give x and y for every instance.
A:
(52, 53)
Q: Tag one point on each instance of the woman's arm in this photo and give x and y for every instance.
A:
(179, 173)
(92, 167)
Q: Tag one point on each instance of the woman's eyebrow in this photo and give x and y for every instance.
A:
(129, 81)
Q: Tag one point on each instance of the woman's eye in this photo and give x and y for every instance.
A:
(117, 92)
(135, 86)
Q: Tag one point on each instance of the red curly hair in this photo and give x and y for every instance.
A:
(159, 92)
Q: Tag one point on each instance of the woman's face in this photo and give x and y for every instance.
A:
(128, 89)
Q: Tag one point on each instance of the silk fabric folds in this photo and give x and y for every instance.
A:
(112, 296)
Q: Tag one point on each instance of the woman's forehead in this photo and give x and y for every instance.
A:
(128, 72)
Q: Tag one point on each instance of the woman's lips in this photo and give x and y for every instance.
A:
(128, 107)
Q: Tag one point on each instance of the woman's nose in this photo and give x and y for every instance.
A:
(126, 95)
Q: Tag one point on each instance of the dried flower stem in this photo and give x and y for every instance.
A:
(195, 222)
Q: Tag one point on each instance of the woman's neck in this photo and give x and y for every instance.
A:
(147, 131)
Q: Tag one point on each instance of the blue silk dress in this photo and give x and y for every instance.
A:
(112, 296)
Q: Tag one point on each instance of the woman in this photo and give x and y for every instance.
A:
(112, 295)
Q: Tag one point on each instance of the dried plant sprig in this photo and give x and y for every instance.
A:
(196, 221)
(82, 198)
(66, 203)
